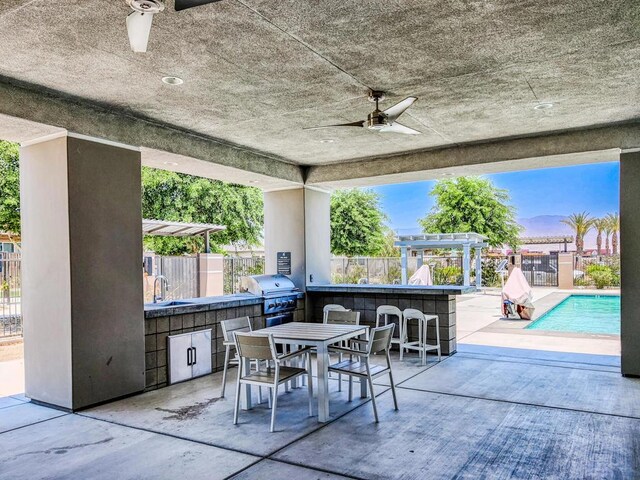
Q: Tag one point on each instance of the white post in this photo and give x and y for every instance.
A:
(478, 267)
(466, 264)
(403, 263)
(420, 259)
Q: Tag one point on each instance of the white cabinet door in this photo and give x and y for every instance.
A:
(201, 347)
(180, 358)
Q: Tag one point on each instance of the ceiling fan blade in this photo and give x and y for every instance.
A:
(398, 109)
(139, 28)
(184, 4)
(352, 124)
(399, 128)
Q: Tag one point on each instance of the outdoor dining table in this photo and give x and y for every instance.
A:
(319, 336)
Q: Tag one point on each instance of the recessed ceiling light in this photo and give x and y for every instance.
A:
(328, 140)
(173, 164)
(253, 181)
(543, 106)
(447, 174)
(172, 80)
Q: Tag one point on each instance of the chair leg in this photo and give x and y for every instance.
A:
(237, 405)
(224, 371)
(310, 386)
(373, 395)
(438, 338)
(393, 388)
(273, 408)
(403, 330)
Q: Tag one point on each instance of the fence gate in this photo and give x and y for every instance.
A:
(182, 275)
(541, 270)
(10, 294)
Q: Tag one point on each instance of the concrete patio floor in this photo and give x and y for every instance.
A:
(482, 413)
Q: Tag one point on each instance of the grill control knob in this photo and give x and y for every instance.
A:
(271, 305)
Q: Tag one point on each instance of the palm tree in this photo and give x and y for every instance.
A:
(614, 225)
(601, 225)
(607, 233)
(581, 223)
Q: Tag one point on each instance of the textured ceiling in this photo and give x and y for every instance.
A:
(258, 71)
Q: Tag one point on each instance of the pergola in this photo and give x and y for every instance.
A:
(456, 241)
(180, 229)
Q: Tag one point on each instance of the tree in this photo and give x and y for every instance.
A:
(179, 197)
(473, 204)
(9, 188)
(614, 225)
(601, 225)
(581, 223)
(357, 223)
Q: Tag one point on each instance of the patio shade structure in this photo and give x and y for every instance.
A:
(563, 239)
(180, 229)
(454, 241)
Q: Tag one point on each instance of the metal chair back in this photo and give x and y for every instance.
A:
(380, 338)
(230, 327)
(255, 347)
(342, 317)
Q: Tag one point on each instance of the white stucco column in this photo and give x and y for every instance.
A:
(478, 267)
(403, 265)
(466, 265)
(296, 224)
(82, 300)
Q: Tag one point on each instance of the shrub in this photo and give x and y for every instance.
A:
(602, 275)
(450, 275)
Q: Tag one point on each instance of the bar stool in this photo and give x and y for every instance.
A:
(421, 344)
(383, 312)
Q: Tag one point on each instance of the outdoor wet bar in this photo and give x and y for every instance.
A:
(431, 300)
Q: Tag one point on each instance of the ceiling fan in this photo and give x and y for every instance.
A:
(140, 19)
(382, 121)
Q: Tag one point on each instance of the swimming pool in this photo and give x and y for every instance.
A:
(582, 314)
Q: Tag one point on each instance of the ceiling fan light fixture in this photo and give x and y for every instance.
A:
(543, 106)
(139, 29)
(146, 6)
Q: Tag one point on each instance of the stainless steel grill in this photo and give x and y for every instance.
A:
(279, 293)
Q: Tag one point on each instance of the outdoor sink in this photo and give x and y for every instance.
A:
(172, 303)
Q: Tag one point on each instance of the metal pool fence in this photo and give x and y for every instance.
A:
(10, 295)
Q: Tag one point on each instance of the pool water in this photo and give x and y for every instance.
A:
(582, 314)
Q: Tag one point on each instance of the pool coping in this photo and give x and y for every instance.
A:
(542, 306)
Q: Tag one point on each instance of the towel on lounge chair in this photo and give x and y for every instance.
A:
(422, 276)
(518, 293)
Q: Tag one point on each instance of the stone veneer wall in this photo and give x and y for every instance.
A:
(158, 329)
(366, 303)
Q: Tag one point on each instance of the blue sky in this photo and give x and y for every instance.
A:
(550, 191)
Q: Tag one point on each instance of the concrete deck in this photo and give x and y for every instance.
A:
(480, 322)
(482, 413)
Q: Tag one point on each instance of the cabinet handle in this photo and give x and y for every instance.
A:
(189, 356)
(195, 356)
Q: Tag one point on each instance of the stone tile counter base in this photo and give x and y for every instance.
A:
(159, 327)
(366, 303)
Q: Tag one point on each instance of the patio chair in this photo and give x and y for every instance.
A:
(379, 341)
(383, 313)
(329, 308)
(341, 317)
(262, 348)
(229, 328)
(421, 344)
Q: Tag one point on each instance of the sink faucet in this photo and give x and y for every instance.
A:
(164, 279)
